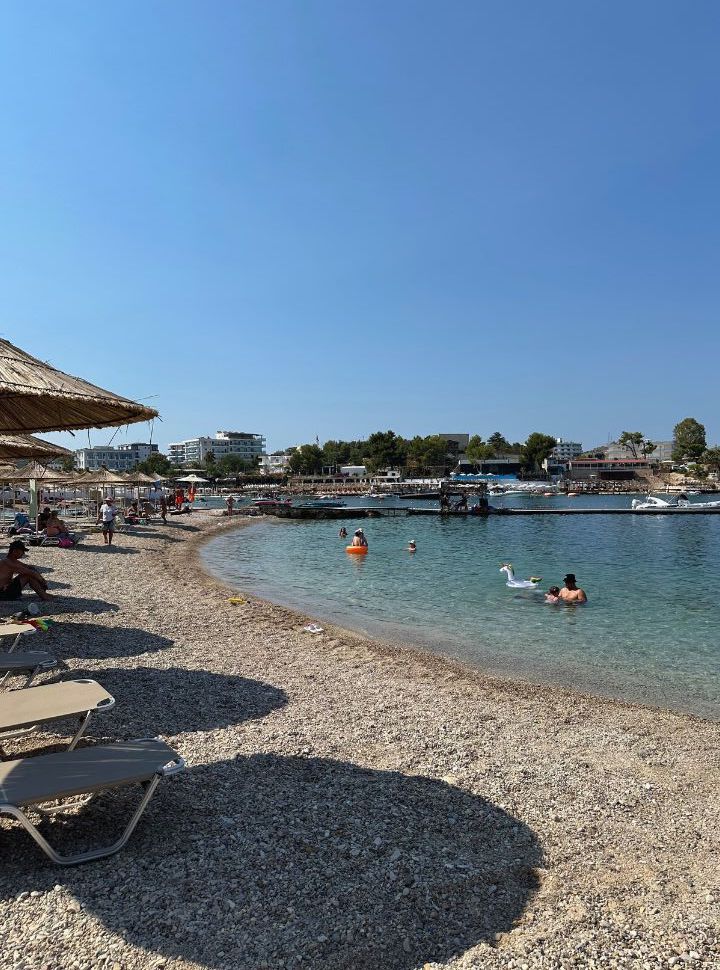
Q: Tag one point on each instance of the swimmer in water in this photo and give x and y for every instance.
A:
(343, 533)
(359, 538)
(553, 595)
(571, 592)
(412, 547)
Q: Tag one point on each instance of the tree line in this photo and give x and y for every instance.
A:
(416, 456)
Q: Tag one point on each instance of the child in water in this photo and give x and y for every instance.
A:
(411, 546)
(553, 595)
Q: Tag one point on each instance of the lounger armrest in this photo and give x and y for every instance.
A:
(173, 767)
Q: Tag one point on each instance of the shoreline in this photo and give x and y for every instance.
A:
(350, 805)
(416, 652)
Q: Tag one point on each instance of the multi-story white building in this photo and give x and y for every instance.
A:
(245, 445)
(565, 451)
(274, 464)
(120, 458)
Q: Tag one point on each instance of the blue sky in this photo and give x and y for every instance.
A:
(325, 218)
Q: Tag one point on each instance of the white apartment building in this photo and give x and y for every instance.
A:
(120, 458)
(274, 464)
(565, 451)
(245, 445)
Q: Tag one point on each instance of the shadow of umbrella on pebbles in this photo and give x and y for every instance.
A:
(273, 861)
(89, 641)
(175, 700)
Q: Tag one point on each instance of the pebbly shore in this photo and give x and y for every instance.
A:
(350, 805)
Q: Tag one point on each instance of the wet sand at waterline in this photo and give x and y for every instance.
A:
(350, 804)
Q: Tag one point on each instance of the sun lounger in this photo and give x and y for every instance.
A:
(22, 711)
(30, 663)
(30, 782)
(16, 631)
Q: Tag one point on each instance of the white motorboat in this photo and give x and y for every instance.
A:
(681, 503)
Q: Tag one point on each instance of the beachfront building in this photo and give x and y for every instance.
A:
(275, 464)
(608, 469)
(457, 445)
(353, 471)
(245, 445)
(120, 458)
(616, 452)
(565, 451)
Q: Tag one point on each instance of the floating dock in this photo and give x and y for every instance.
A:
(355, 512)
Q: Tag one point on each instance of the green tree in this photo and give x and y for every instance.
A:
(536, 449)
(231, 465)
(308, 460)
(688, 439)
(478, 450)
(210, 462)
(384, 449)
(156, 464)
(499, 444)
(428, 455)
(68, 463)
(711, 459)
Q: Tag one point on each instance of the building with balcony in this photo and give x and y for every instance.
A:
(565, 451)
(120, 458)
(193, 451)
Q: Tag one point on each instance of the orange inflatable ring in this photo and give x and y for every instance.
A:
(357, 550)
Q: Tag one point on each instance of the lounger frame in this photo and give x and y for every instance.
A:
(16, 812)
(104, 704)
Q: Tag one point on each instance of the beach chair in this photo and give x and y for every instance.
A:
(30, 783)
(16, 631)
(23, 711)
(30, 663)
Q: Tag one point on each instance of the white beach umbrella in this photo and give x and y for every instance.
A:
(192, 479)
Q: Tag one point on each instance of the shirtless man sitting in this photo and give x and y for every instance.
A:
(15, 575)
(571, 592)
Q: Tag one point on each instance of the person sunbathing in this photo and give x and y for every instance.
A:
(56, 528)
(15, 575)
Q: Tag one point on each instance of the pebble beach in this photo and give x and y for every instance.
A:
(350, 803)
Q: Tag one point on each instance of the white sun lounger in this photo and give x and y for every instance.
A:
(17, 631)
(30, 662)
(22, 711)
(30, 782)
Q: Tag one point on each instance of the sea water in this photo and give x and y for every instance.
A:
(649, 631)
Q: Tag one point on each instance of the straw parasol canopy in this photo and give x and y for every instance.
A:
(103, 476)
(34, 396)
(32, 470)
(26, 446)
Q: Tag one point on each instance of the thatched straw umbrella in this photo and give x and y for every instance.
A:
(14, 446)
(34, 396)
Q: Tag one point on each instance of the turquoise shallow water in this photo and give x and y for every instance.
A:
(648, 633)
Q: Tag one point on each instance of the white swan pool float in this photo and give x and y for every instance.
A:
(513, 583)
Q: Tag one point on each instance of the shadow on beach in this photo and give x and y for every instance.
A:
(89, 641)
(315, 862)
(176, 700)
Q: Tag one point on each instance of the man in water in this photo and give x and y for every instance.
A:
(359, 538)
(571, 592)
(412, 546)
(15, 575)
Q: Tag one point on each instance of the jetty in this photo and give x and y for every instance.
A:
(284, 511)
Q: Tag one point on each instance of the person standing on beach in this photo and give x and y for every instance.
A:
(571, 592)
(230, 502)
(163, 509)
(107, 516)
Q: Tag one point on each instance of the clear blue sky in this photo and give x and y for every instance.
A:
(324, 218)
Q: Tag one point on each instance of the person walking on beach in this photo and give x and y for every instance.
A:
(107, 516)
(15, 575)
(571, 592)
